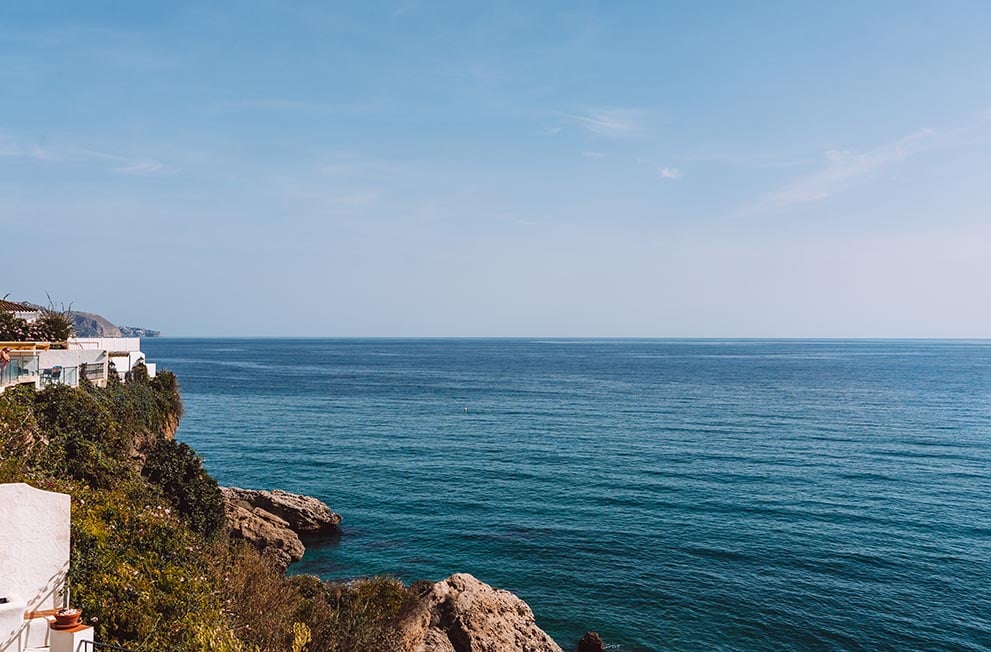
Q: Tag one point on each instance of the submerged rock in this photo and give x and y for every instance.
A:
(464, 614)
(273, 520)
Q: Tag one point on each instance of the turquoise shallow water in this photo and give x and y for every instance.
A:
(670, 494)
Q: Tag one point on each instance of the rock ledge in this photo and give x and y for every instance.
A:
(273, 520)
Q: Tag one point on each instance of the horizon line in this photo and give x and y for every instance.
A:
(576, 337)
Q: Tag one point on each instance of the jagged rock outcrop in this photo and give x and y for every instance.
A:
(135, 331)
(304, 514)
(464, 614)
(90, 324)
(273, 520)
(591, 642)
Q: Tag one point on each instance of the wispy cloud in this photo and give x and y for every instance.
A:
(843, 168)
(120, 164)
(614, 123)
(671, 174)
(144, 168)
(593, 155)
(34, 152)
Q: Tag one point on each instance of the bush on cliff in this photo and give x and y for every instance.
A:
(18, 433)
(137, 572)
(83, 441)
(178, 472)
(365, 614)
(369, 614)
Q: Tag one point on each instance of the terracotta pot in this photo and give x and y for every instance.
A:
(66, 618)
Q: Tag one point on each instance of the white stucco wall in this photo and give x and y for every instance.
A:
(126, 362)
(62, 358)
(34, 554)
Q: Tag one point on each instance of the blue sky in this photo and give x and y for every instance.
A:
(713, 169)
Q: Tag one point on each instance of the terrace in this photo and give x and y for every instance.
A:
(24, 366)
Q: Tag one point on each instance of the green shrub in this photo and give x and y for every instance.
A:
(368, 614)
(138, 573)
(176, 469)
(19, 433)
(166, 387)
(52, 326)
(83, 441)
(260, 603)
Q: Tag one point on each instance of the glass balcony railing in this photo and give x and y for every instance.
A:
(19, 369)
(59, 375)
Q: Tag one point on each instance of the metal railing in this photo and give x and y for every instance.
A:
(92, 372)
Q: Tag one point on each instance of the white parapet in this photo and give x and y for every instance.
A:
(124, 352)
(109, 344)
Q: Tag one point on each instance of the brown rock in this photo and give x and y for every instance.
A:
(268, 530)
(436, 640)
(304, 514)
(591, 642)
(466, 615)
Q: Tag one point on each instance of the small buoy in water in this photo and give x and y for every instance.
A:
(466, 410)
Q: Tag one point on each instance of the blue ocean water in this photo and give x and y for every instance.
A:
(669, 494)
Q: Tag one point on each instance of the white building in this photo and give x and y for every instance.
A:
(34, 563)
(27, 313)
(38, 364)
(124, 352)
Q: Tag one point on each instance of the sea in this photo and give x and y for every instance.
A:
(668, 494)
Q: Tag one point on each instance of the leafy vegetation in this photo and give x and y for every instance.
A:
(151, 566)
(14, 329)
(176, 470)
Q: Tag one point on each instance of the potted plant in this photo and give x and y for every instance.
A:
(67, 617)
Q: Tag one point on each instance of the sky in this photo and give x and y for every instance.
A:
(568, 169)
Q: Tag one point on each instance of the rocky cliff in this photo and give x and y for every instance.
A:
(90, 324)
(134, 331)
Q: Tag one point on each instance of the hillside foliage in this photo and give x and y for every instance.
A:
(151, 564)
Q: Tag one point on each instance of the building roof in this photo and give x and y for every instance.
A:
(10, 306)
